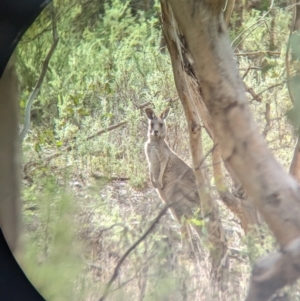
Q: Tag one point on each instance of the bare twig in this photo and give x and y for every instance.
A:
(246, 36)
(262, 19)
(252, 93)
(38, 85)
(124, 283)
(228, 9)
(110, 128)
(292, 5)
(206, 155)
(55, 155)
(172, 99)
(111, 227)
(246, 72)
(69, 147)
(270, 87)
(258, 53)
(143, 105)
(126, 254)
(60, 16)
(251, 68)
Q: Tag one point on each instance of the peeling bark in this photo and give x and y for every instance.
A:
(188, 91)
(243, 148)
(275, 194)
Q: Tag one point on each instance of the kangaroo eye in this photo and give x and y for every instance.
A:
(161, 125)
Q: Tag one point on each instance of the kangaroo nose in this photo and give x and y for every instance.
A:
(155, 132)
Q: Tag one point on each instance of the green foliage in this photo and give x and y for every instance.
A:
(96, 79)
(258, 242)
(51, 259)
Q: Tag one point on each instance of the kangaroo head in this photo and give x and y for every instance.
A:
(157, 124)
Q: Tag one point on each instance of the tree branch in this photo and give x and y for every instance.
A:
(228, 11)
(262, 19)
(110, 128)
(252, 93)
(274, 192)
(189, 91)
(38, 85)
(270, 87)
(257, 53)
(69, 147)
(127, 253)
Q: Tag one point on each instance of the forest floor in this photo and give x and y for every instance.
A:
(105, 243)
(108, 216)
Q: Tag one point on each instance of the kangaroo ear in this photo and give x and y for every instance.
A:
(150, 114)
(165, 113)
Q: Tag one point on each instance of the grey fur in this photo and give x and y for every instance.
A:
(173, 179)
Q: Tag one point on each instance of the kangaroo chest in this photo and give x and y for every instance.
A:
(157, 151)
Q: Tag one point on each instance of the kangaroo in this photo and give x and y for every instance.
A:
(173, 179)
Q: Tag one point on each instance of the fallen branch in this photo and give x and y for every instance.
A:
(99, 176)
(126, 254)
(110, 128)
(69, 147)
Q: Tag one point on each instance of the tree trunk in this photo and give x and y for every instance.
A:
(188, 90)
(228, 11)
(277, 195)
(239, 204)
